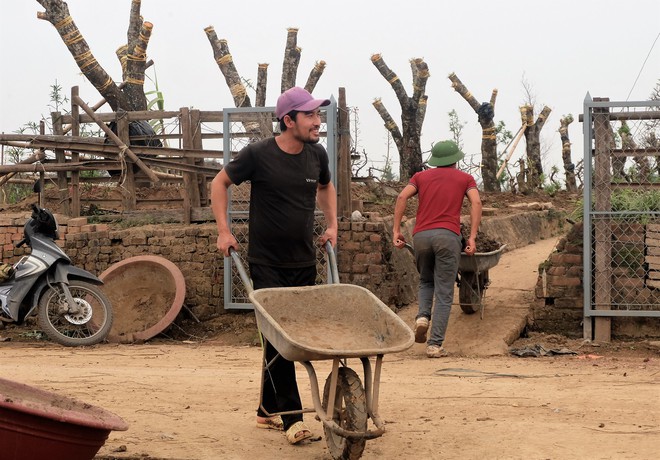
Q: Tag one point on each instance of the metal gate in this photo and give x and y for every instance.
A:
(621, 239)
(242, 126)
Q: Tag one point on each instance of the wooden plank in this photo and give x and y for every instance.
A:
(603, 231)
(189, 178)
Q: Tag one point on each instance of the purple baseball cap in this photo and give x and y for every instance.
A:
(299, 99)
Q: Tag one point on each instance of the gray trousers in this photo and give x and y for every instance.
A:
(437, 253)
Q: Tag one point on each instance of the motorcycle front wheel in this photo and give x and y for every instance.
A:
(87, 324)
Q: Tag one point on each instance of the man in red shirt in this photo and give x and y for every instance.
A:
(437, 237)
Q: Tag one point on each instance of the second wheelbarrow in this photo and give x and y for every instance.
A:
(332, 322)
(472, 278)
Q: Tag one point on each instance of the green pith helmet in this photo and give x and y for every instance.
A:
(445, 153)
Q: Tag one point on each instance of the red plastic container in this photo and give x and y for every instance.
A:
(37, 424)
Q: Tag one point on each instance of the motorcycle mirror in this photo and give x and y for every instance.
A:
(36, 188)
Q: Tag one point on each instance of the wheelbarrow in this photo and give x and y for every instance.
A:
(472, 279)
(332, 322)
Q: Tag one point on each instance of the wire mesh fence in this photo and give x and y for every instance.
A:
(622, 209)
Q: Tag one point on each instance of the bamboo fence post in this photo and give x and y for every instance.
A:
(75, 156)
(343, 153)
(202, 196)
(127, 180)
(42, 174)
(62, 183)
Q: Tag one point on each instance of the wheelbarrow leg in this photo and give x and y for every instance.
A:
(472, 290)
(265, 372)
(372, 390)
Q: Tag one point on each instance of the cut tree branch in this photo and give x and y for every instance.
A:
(226, 63)
(390, 124)
(392, 78)
(314, 76)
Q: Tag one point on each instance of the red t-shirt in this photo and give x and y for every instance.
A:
(440, 192)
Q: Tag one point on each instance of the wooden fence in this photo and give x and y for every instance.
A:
(186, 156)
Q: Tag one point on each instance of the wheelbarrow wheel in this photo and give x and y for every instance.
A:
(350, 413)
(471, 291)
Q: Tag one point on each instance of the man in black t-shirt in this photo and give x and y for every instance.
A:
(289, 175)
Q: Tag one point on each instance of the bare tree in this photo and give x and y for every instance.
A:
(413, 110)
(485, 115)
(569, 167)
(128, 95)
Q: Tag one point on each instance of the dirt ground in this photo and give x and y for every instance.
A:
(195, 399)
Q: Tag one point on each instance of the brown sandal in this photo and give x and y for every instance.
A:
(270, 423)
(298, 432)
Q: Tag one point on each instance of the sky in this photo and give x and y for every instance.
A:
(558, 51)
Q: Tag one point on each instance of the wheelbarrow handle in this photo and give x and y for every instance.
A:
(333, 275)
(247, 282)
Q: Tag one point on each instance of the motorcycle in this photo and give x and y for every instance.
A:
(70, 307)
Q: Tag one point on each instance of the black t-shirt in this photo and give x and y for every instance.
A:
(282, 201)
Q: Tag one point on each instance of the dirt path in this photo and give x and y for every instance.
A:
(196, 401)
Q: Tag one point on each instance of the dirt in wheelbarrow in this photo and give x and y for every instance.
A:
(194, 398)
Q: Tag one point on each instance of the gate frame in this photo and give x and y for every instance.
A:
(597, 322)
(331, 114)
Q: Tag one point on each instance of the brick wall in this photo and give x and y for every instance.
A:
(559, 289)
(363, 255)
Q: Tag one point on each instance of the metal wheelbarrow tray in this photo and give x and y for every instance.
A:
(480, 261)
(328, 321)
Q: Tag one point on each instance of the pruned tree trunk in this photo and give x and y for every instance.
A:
(289, 70)
(485, 115)
(413, 111)
(291, 60)
(532, 139)
(262, 81)
(131, 97)
(569, 167)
